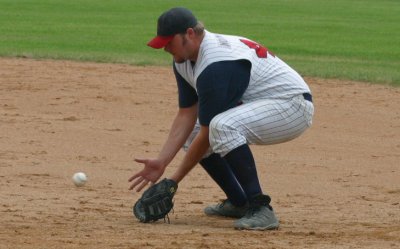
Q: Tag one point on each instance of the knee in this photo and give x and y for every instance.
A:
(224, 136)
(215, 132)
(217, 128)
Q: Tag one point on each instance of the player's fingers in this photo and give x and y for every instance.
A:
(135, 183)
(144, 183)
(134, 176)
(139, 160)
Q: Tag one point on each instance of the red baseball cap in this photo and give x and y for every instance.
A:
(172, 22)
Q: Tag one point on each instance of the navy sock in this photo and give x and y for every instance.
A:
(244, 168)
(222, 174)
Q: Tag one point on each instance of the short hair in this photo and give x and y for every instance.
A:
(199, 28)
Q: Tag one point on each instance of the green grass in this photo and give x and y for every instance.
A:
(344, 39)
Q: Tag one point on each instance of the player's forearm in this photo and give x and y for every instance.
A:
(181, 128)
(171, 147)
(195, 153)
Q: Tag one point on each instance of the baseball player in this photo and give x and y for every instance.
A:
(232, 92)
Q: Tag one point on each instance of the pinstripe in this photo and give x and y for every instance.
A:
(268, 123)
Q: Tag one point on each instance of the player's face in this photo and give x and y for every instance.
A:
(179, 48)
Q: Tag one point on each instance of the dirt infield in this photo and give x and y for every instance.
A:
(337, 186)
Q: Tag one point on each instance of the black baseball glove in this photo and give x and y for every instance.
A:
(156, 201)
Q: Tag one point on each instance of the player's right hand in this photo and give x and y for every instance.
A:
(152, 171)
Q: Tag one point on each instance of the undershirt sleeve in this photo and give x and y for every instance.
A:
(220, 87)
(187, 94)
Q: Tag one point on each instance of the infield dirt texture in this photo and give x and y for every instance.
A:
(337, 186)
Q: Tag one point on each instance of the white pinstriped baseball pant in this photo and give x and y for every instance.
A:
(263, 122)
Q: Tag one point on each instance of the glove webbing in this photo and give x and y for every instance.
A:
(153, 210)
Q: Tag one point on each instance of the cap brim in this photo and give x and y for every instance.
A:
(160, 41)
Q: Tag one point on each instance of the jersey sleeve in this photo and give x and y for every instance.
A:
(187, 94)
(220, 87)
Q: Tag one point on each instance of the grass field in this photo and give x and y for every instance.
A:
(345, 39)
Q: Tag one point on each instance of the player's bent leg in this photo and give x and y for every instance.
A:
(243, 166)
(218, 169)
(222, 174)
(260, 122)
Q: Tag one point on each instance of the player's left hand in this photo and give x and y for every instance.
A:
(156, 202)
(152, 171)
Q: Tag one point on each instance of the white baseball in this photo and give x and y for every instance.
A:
(79, 179)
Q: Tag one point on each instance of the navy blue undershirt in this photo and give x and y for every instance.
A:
(219, 87)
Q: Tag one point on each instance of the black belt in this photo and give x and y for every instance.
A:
(307, 96)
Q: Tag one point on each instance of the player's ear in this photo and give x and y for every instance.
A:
(190, 32)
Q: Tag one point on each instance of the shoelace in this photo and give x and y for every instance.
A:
(252, 210)
(255, 208)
